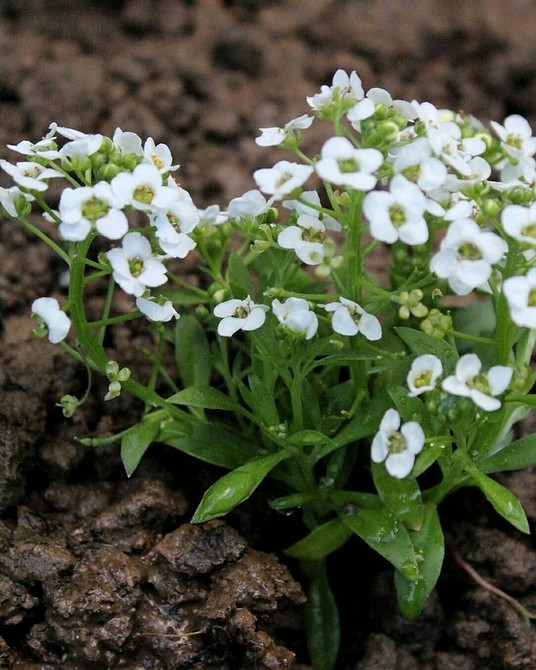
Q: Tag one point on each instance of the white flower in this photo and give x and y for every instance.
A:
(380, 96)
(349, 318)
(466, 255)
(397, 214)
(142, 188)
(155, 311)
(29, 175)
(306, 239)
(127, 142)
(416, 163)
(282, 179)
(45, 148)
(469, 382)
(346, 89)
(173, 226)
(342, 164)
(83, 146)
(82, 208)
(516, 136)
(134, 266)
(8, 197)
(296, 315)
(212, 216)
(158, 155)
(251, 204)
(518, 142)
(68, 133)
(313, 209)
(520, 222)
(397, 445)
(57, 322)
(520, 293)
(272, 137)
(238, 315)
(423, 374)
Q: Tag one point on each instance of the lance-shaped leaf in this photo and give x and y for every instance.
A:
(323, 628)
(504, 502)
(401, 496)
(235, 487)
(135, 443)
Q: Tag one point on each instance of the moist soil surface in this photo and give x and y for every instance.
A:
(101, 571)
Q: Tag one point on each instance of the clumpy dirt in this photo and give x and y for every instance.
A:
(97, 571)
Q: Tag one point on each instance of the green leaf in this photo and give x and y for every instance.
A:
(135, 443)
(212, 443)
(361, 425)
(192, 352)
(205, 397)
(421, 343)
(262, 402)
(382, 531)
(504, 501)
(321, 541)
(401, 496)
(322, 621)
(516, 456)
(410, 409)
(238, 275)
(429, 546)
(235, 487)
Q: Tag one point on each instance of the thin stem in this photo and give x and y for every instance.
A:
(46, 239)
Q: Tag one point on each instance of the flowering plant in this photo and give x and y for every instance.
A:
(368, 346)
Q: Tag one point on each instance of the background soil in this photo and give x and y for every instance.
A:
(100, 572)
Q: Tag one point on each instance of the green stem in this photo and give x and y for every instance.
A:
(46, 239)
(96, 355)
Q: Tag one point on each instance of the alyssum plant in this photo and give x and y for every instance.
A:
(368, 398)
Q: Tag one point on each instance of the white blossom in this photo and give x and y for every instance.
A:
(397, 445)
(517, 141)
(295, 314)
(349, 318)
(312, 206)
(29, 175)
(8, 197)
(343, 164)
(155, 311)
(212, 216)
(469, 382)
(520, 294)
(306, 239)
(142, 188)
(45, 148)
(251, 204)
(57, 322)
(466, 256)
(380, 96)
(127, 142)
(158, 155)
(345, 88)
(397, 214)
(272, 137)
(423, 374)
(238, 315)
(135, 267)
(416, 162)
(173, 226)
(282, 179)
(520, 222)
(82, 208)
(83, 146)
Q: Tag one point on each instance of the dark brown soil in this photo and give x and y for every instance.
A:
(97, 571)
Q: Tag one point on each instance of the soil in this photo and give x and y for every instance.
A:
(98, 571)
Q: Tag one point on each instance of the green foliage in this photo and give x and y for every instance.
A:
(369, 397)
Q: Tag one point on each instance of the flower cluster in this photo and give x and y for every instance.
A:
(391, 310)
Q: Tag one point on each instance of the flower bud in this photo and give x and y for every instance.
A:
(69, 405)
